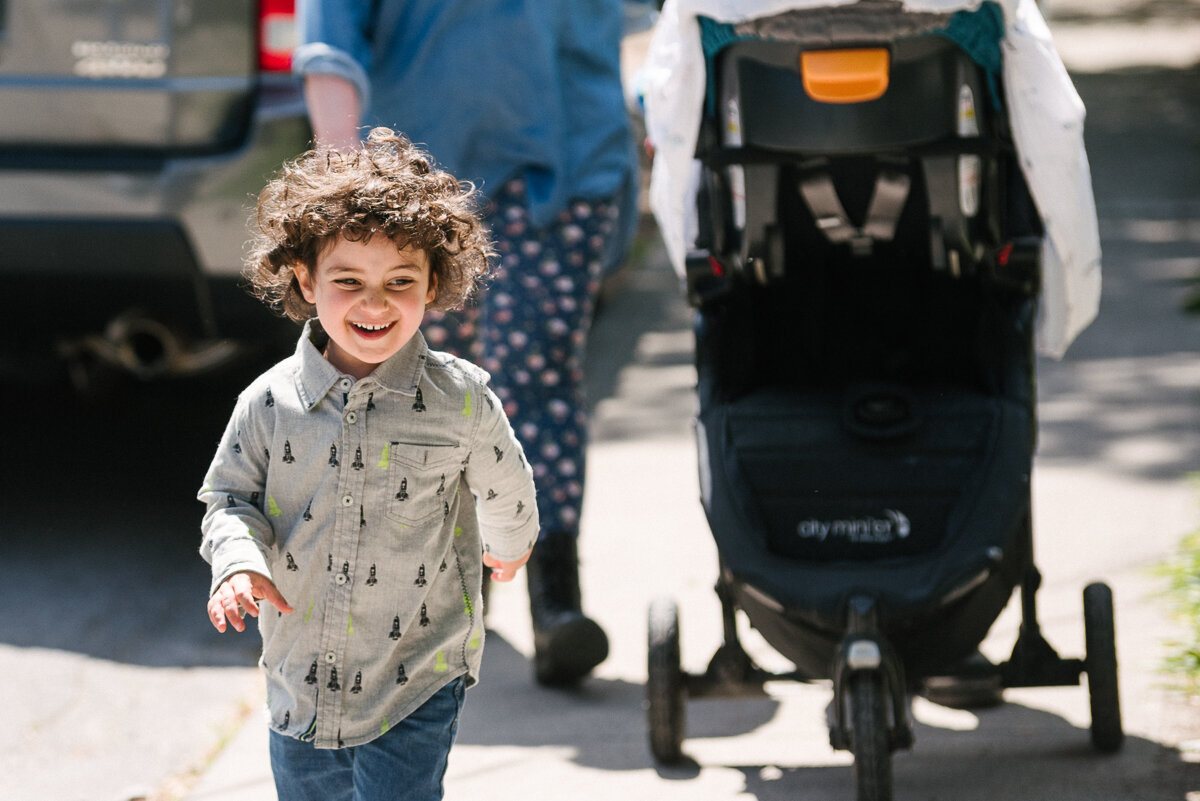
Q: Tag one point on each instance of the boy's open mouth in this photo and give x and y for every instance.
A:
(372, 330)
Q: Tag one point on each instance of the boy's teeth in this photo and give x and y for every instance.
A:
(371, 327)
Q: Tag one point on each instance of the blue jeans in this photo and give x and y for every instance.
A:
(408, 762)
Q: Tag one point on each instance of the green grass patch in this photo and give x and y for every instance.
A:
(1182, 573)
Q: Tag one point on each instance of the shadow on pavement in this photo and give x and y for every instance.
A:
(1011, 751)
(602, 721)
(1016, 752)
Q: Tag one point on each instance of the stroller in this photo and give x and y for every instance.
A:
(866, 268)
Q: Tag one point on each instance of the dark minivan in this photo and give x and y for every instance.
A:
(134, 136)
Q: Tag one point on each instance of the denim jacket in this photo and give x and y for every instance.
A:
(496, 89)
(368, 503)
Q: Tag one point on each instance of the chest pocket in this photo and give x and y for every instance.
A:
(421, 481)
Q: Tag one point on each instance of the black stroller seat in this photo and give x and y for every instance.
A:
(866, 393)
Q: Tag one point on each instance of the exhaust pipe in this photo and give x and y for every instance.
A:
(147, 349)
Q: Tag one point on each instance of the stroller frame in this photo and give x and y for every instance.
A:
(944, 205)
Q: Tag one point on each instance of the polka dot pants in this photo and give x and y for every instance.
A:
(529, 330)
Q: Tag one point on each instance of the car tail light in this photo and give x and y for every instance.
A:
(276, 34)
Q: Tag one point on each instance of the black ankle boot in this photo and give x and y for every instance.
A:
(567, 645)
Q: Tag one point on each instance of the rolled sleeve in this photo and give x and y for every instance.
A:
(335, 39)
(319, 58)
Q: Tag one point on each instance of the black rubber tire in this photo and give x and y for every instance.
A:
(869, 740)
(1100, 663)
(666, 693)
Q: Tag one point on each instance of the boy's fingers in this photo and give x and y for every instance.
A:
(271, 593)
(504, 571)
(224, 612)
(239, 597)
(216, 616)
(246, 602)
(233, 613)
(495, 565)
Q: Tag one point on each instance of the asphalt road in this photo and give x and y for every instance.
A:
(113, 685)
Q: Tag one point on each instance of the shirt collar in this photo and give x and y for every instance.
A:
(315, 376)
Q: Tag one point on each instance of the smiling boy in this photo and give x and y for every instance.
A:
(370, 298)
(359, 481)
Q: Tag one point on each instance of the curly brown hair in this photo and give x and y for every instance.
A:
(391, 187)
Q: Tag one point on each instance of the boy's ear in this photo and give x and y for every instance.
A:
(431, 295)
(304, 281)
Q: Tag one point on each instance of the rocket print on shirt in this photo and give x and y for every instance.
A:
(400, 484)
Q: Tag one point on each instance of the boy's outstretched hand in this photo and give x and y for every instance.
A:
(504, 571)
(239, 594)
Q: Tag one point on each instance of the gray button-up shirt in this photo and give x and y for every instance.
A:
(368, 503)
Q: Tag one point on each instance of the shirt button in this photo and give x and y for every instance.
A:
(341, 578)
(331, 657)
(347, 500)
(345, 383)
(352, 417)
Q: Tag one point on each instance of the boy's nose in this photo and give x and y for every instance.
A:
(377, 299)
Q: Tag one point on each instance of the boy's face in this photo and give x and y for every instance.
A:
(370, 299)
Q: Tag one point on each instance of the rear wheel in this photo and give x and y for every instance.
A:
(666, 695)
(1100, 663)
(869, 740)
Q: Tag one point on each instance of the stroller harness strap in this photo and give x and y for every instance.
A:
(883, 212)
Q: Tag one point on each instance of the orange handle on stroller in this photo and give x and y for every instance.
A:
(845, 76)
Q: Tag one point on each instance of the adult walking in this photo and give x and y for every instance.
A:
(523, 98)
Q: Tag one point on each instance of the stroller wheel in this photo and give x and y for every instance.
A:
(869, 739)
(1100, 663)
(666, 694)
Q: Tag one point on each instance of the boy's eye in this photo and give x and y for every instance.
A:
(346, 282)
